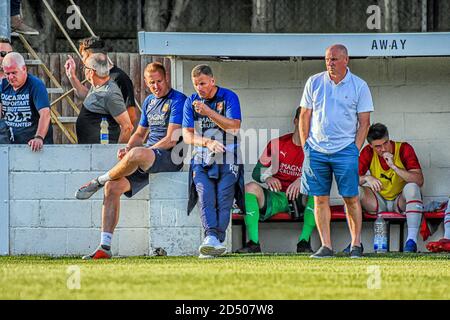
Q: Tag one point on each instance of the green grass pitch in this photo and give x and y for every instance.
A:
(390, 276)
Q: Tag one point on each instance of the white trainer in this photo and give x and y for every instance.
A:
(211, 246)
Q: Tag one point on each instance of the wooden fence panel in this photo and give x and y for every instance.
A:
(135, 74)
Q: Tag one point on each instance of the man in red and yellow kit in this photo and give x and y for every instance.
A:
(394, 181)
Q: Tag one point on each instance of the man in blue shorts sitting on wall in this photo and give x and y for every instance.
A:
(162, 114)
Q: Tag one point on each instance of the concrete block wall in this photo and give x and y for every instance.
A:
(411, 96)
(171, 228)
(44, 217)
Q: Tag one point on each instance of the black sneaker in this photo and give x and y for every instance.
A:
(250, 247)
(347, 249)
(356, 252)
(304, 246)
(323, 252)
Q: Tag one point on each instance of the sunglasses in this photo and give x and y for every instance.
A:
(4, 53)
(87, 68)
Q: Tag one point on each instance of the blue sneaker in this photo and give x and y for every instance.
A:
(410, 246)
(211, 246)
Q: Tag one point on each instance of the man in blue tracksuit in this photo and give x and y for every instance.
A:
(211, 122)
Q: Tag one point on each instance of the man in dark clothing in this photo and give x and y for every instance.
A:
(25, 104)
(104, 100)
(93, 45)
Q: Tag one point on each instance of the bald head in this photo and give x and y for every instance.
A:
(338, 47)
(336, 60)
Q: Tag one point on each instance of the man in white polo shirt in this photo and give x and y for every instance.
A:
(334, 121)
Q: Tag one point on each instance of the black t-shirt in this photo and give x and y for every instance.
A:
(101, 102)
(88, 127)
(124, 83)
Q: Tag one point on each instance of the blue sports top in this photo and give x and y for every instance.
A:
(20, 108)
(157, 113)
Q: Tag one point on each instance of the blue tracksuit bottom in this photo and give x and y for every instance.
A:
(215, 186)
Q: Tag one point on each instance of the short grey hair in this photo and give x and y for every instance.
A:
(13, 58)
(99, 62)
(202, 69)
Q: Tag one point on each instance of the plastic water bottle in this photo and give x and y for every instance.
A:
(104, 132)
(380, 235)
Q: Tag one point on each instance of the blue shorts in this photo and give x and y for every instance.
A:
(318, 168)
(163, 163)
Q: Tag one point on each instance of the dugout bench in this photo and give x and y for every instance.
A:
(338, 214)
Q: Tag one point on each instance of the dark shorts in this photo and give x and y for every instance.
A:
(163, 163)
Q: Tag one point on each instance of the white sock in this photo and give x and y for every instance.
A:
(447, 222)
(106, 239)
(413, 223)
(104, 178)
(414, 209)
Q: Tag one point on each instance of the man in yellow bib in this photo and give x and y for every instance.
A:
(393, 182)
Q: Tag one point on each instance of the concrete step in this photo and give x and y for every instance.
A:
(55, 90)
(15, 34)
(30, 62)
(67, 119)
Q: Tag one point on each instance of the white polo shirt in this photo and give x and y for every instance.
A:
(335, 109)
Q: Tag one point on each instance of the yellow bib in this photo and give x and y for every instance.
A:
(392, 183)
